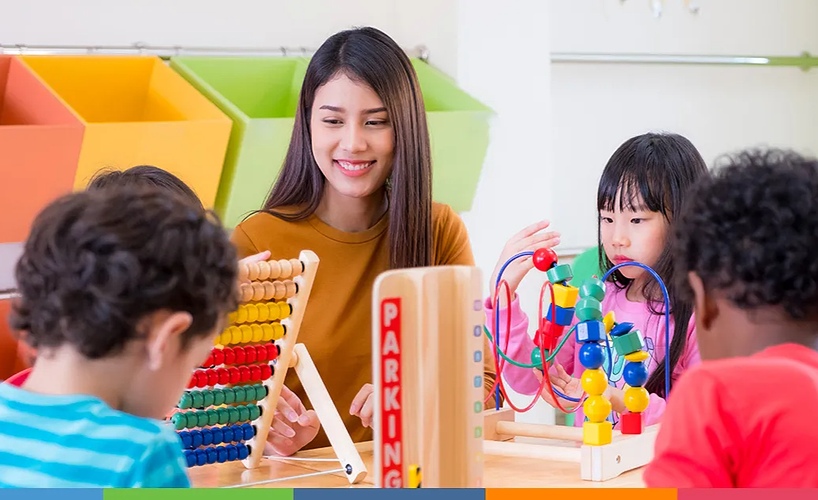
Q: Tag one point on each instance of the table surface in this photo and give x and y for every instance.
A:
(301, 472)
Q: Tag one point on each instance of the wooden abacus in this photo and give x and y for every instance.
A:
(427, 346)
(233, 396)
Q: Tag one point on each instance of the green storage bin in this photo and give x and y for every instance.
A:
(260, 95)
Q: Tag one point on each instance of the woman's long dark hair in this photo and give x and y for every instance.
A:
(370, 56)
(659, 169)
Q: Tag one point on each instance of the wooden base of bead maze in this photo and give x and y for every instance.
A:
(597, 463)
(427, 344)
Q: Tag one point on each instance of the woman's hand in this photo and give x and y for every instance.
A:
(362, 405)
(293, 426)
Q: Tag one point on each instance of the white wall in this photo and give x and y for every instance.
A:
(596, 107)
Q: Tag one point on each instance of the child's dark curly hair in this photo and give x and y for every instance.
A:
(143, 175)
(97, 262)
(750, 230)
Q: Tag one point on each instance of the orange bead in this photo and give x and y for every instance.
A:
(297, 267)
(275, 269)
(258, 291)
(286, 268)
(252, 271)
(269, 290)
(263, 270)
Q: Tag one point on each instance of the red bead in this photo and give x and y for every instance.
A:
(272, 352)
(261, 353)
(245, 373)
(192, 383)
(240, 358)
(208, 362)
(235, 376)
(266, 371)
(201, 378)
(548, 335)
(632, 423)
(224, 375)
(250, 354)
(544, 259)
(218, 357)
(255, 373)
(212, 377)
(229, 356)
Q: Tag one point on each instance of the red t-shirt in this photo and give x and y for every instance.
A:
(742, 422)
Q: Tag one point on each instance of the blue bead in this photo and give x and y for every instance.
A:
(249, 431)
(635, 374)
(564, 316)
(201, 457)
(589, 331)
(190, 457)
(232, 452)
(591, 355)
(196, 438)
(211, 456)
(221, 454)
(187, 442)
(227, 434)
(243, 451)
(207, 437)
(218, 435)
(621, 329)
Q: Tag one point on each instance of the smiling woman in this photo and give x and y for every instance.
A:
(356, 189)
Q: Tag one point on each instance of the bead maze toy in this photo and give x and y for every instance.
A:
(229, 406)
(428, 376)
(604, 453)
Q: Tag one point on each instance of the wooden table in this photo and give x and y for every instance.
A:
(499, 472)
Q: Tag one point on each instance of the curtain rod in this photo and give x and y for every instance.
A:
(166, 52)
(805, 61)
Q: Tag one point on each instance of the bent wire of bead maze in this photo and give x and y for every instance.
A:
(604, 453)
(226, 413)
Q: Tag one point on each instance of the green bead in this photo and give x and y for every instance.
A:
(262, 392)
(202, 418)
(629, 343)
(234, 415)
(224, 415)
(588, 309)
(536, 358)
(255, 412)
(244, 414)
(208, 399)
(241, 395)
(229, 396)
(593, 287)
(179, 421)
(185, 401)
(198, 399)
(212, 417)
(559, 273)
(218, 397)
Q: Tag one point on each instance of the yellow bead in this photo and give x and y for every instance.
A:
(252, 313)
(284, 307)
(637, 356)
(235, 335)
(246, 334)
(609, 321)
(272, 311)
(594, 382)
(278, 331)
(266, 332)
(636, 399)
(241, 314)
(258, 333)
(263, 313)
(597, 433)
(232, 317)
(565, 296)
(596, 408)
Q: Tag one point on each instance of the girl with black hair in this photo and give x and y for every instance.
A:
(640, 193)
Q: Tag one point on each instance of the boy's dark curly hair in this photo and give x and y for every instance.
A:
(750, 230)
(143, 175)
(97, 262)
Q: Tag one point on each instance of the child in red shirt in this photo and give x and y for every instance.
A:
(745, 417)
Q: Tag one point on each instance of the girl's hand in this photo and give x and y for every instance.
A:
(293, 426)
(564, 383)
(528, 240)
(362, 405)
